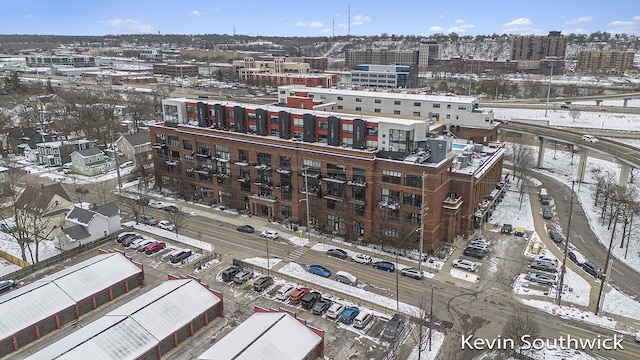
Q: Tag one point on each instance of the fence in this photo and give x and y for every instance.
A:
(14, 260)
(205, 259)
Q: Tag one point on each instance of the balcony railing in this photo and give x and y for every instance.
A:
(392, 205)
(357, 183)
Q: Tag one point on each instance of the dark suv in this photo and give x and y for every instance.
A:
(262, 283)
(592, 269)
(310, 299)
(230, 272)
(180, 257)
(393, 327)
(339, 253)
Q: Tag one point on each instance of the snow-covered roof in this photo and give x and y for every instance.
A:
(266, 336)
(44, 298)
(137, 326)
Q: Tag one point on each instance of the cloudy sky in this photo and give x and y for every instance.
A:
(317, 18)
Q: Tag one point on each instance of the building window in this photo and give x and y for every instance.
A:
(358, 99)
(376, 111)
(392, 177)
(347, 128)
(323, 125)
(462, 107)
(347, 142)
(222, 152)
(396, 112)
(340, 98)
(186, 144)
(436, 106)
(358, 108)
(389, 231)
(417, 104)
(298, 122)
(286, 211)
(414, 181)
(416, 113)
(377, 101)
(412, 218)
(449, 106)
(188, 159)
(340, 107)
(335, 222)
(412, 199)
(397, 102)
(174, 141)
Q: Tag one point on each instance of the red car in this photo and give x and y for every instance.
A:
(151, 248)
(298, 294)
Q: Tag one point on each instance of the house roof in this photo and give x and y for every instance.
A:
(36, 199)
(265, 336)
(89, 152)
(139, 138)
(80, 215)
(76, 232)
(108, 209)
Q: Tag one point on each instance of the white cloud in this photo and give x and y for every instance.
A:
(459, 29)
(342, 25)
(518, 26)
(197, 13)
(621, 23)
(436, 29)
(460, 21)
(313, 24)
(360, 19)
(575, 31)
(619, 27)
(325, 30)
(580, 20)
(130, 25)
(636, 18)
(440, 16)
(316, 24)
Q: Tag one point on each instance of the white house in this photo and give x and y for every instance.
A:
(89, 225)
(91, 161)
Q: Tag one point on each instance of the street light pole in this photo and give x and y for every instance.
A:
(548, 91)
(566, 248)
(423, 212)
(396, 268)
(268, 261)
(306, 192)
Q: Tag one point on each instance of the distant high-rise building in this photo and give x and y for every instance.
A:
(535, 47)
(429, 52)
(605, 61)
(381, 56)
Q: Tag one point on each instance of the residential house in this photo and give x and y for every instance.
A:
(89, 225)
(5, 186)
(90, 162)
(57, 153)
(40, 210)
(135, 147)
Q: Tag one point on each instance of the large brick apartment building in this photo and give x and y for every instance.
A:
(363, 176)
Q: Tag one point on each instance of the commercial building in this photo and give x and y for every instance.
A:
(250, 66)
(429, 52)
(384, 76)
(176, 70)
(605, 62)
(70, 60)
(310, 80)
(535, 47)
(381, 56)
(34, 310)
(362, 176)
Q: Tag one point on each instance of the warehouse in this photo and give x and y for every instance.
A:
(34, 310)
(146, 327)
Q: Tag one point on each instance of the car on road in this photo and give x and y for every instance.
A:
(171, 209)
(269, 234)
(335, 310)
(346, 278)
(319, 270)
(262, 283)
(362, 320)
(242, 276)
(385, 265)
(148, 220)
(230, 272)
(542, 279)
(284, 291)
(153, 248)
(547, 214)
(475, 253)
(82, 190)
(6, 285)
(321, 306)
(393, 327)
(576, 257)
(412, 273)
(166, 225)
(349, 314)
(298, 294)
(362, 259)
(589, 138)
(638, 336)
(246, 229)
(156, 204)
(564, 106)
(465, 264)
(592, 269)
(556, 236)
(339, 253)
(180, 256)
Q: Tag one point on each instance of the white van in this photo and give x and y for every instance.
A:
(544, 196)
(346, 278)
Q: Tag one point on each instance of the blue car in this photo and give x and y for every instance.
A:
(320, 270)
(349, 314)
(384, 265)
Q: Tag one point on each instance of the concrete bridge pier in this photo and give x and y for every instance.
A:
(582, 165)
(623, 180)
(541, 148)
(598, 103)
(624, 102)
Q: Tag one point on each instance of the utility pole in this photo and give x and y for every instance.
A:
(605, 275)
(566, 248)
(306, 188)
(548, 91)
(431, 319)
(423, 213)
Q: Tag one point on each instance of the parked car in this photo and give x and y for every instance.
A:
(335, 310)
(349, 314)
(465, 264)
(576, 257)
(153, 248)
(480, 241)
(362, 259)
(124, 235)
(142, 244)
(126, 164)
(6, 285)
(171, 209)
(230, 272)
(179, 256)
(166, 225)
(269, 234)
(148, 220)
(7, 227)
(542, 279)
(128, 241)
(156, 204)
(544, 266)
(393, 327)
(284, 291)
(547, 214)
(319, 270)
(242, 276)
(246, 229)
(339, 253)
(413, 273)
(556, 236)
(298, 294)
(385, 265)
(262, 283)
(553, 260)
(362, 320)
(477, 247)
(592, 269)
(506, 229)
(346, 278)
(589, 138)
(310, 299)
(321, 306)
(475, 253)
(638, 336)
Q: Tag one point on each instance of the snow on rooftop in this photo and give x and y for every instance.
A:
(266, 336)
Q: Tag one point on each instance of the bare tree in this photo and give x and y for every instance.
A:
(575, 114)
(519, 325)
(180, 219)
(523, 159)
(103, 190)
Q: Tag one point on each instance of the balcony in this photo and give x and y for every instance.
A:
(263, 166)
(267, 198)
(241, 163)
(357, 183)
(335, 179)
(284, 170)
(224, 160)
(159, 145)
(315, 174)
(392, 205)
(452, 203)
(203, 153)
(244, 179)
(203, 170)
(334, 197)
(313, 190)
